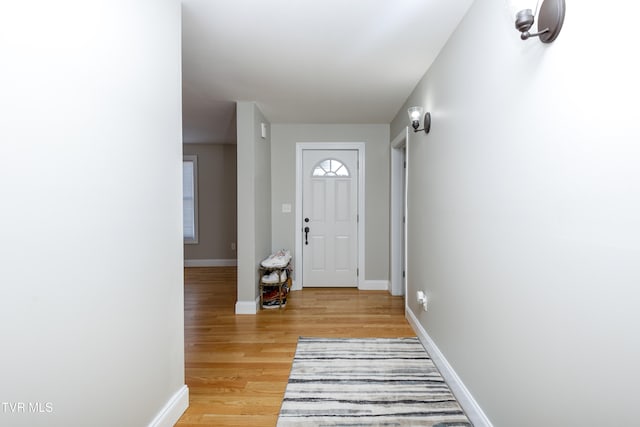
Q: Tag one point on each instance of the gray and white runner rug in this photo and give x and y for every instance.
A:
(367, 382)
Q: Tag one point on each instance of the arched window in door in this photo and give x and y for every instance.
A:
(330, 167)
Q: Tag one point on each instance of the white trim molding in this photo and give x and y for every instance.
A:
(460, 391)
(374, 285)
(399, 155)
(210, 262)
(173, 409)
(248, 307)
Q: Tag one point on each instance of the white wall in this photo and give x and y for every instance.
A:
(283, 158)
(523, 215)
(254, 201)
(91, 313)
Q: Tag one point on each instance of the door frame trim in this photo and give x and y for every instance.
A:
(399, 183)
(360, 148)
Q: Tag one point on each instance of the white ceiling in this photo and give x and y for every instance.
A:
(306, 61)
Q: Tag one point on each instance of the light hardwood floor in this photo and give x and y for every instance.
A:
(237, 367)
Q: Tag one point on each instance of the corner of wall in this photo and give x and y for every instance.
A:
(253, 195)
(248, 307)
(173, 409)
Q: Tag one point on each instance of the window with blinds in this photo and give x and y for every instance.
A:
(189, 199)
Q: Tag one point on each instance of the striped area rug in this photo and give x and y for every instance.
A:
(367, 382)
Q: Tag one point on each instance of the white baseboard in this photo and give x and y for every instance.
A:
(210, 262)
(466, 400)
(375, 285)
(248, 307)
(173, 409)
(396, 289)
(368, 285)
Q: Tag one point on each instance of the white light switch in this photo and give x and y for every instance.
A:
(286, 208)
(264, 130)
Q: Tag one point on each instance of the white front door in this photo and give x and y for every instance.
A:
(330, 217)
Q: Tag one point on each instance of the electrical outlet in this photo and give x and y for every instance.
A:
(421, 296)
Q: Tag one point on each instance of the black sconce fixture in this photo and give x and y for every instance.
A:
(415, 113)
(550, 20)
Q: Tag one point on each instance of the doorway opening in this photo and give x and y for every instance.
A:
(399, 173)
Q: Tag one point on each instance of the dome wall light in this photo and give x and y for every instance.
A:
(550, 20)
(415, 113)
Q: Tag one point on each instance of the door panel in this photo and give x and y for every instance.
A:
(343, 201)
(319, 254)
(329, 201)
(318, 197)
(342, 255)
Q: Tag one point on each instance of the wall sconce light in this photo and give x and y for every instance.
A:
(415, 113)
(550, 20)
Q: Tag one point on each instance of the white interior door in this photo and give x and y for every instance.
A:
(330, 218)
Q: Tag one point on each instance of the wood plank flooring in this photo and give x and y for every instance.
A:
(237, 367)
